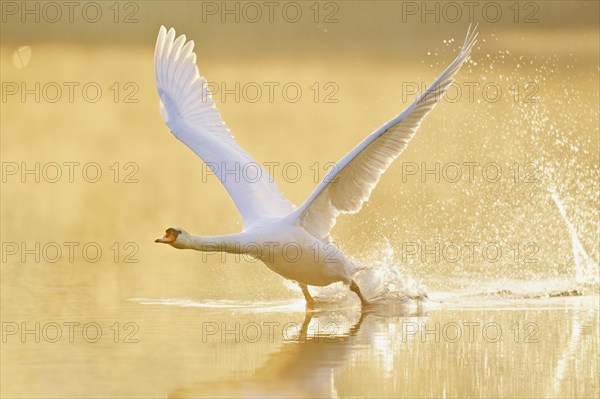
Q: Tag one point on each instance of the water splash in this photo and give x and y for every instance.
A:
(586, 269)
(386, 280)
(383, 281)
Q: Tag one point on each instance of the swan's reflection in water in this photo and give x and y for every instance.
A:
(304, 366)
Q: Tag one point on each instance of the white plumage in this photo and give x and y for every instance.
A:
(355, 176)
(189, 111)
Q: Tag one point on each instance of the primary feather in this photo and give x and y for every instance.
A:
(350, 182)
(188, 109)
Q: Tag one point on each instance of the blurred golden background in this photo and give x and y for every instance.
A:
(526, 106)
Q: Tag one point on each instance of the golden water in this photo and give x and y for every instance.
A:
(177, 324)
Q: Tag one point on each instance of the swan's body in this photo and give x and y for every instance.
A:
(292, 242)
(285, 247)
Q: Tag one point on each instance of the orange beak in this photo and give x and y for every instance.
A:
(169, 237)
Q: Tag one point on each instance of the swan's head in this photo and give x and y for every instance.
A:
(174, 236)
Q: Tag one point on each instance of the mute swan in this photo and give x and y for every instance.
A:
(292, 242)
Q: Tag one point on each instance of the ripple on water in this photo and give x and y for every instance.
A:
(225, 304)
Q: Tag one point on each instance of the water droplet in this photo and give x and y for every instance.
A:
(21, 57)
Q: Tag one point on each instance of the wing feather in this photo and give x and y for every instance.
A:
(189, 111)
(350, 183)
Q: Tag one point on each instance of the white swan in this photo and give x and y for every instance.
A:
(292, 242)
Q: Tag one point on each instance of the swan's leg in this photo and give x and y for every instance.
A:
(354, 288)
(310, 301)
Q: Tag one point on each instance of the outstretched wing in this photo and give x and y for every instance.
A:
(349, 184)
(188, 109)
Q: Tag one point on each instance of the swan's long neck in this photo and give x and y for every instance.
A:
(234, 243)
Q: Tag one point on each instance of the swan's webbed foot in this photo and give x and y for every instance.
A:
(354, 288)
